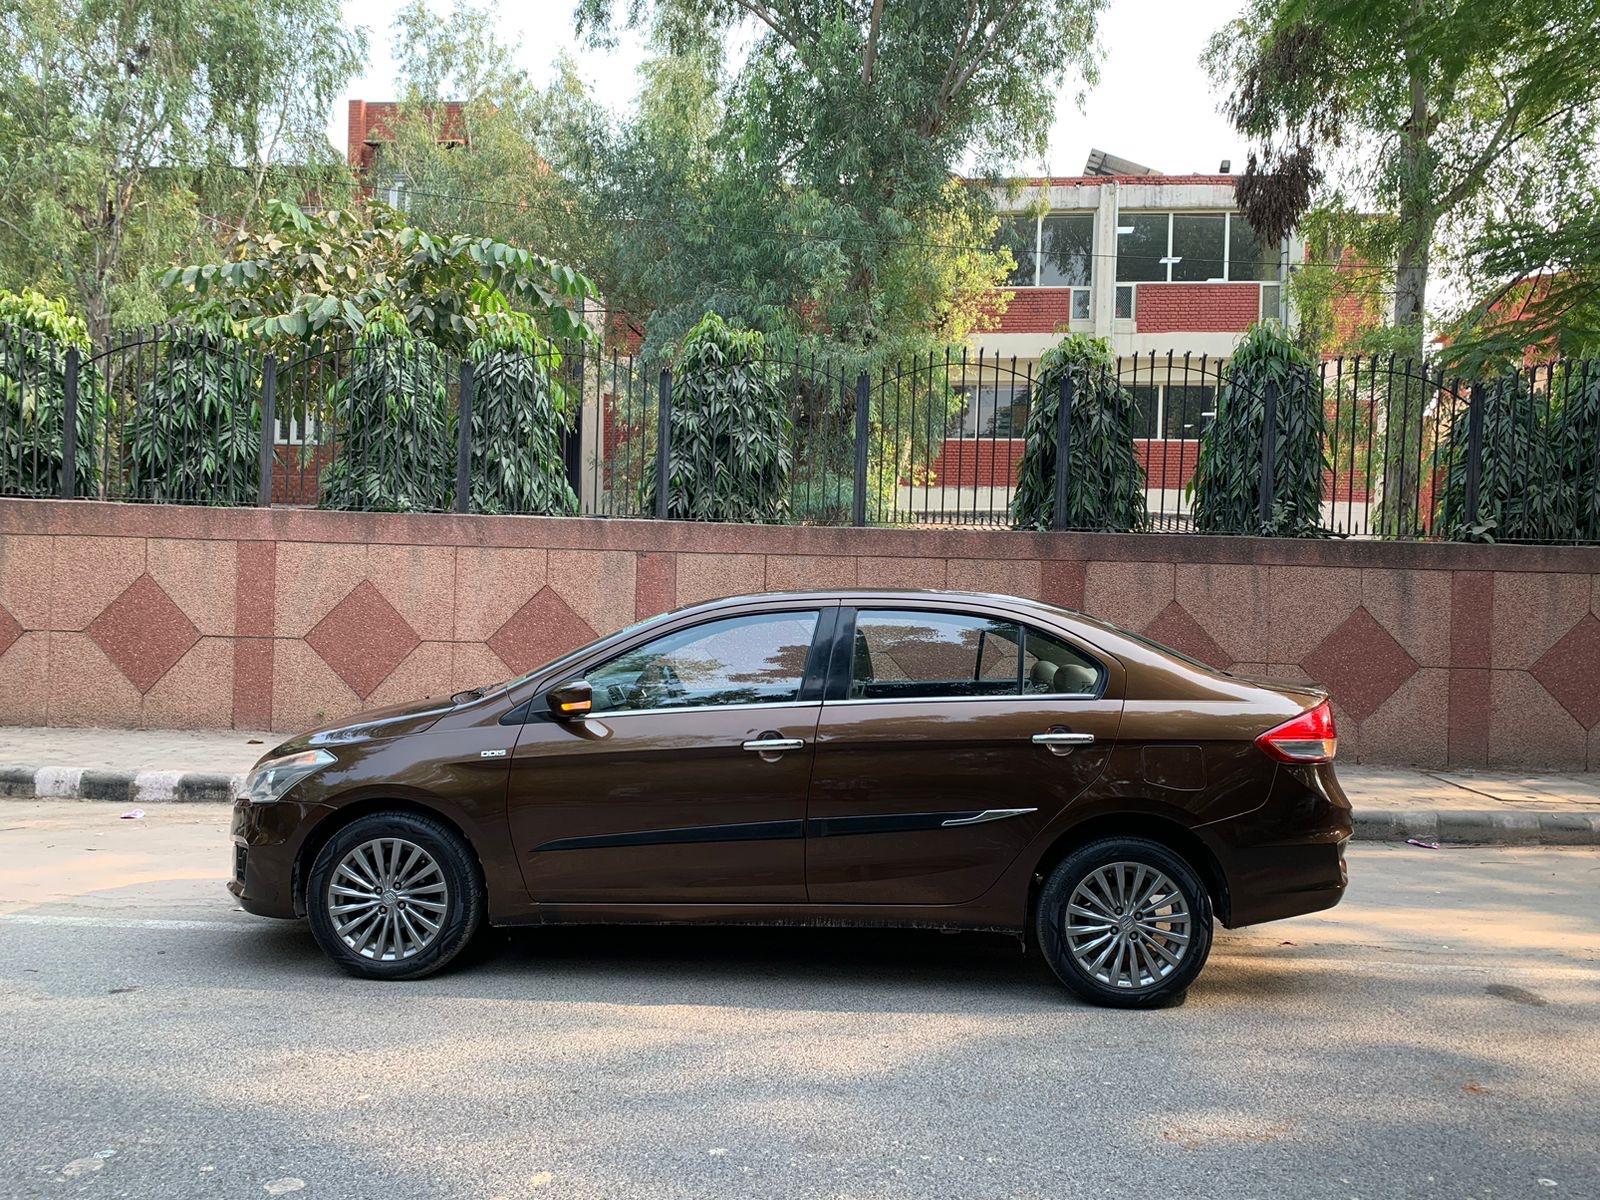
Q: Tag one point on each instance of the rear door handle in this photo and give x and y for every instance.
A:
(767, 745)
(1063, 739)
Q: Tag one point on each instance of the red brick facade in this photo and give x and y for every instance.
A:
(1197, 307)
(1033, 310)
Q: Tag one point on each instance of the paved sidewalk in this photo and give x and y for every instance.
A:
(1392, 803)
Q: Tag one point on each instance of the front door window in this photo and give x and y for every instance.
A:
(758, 659)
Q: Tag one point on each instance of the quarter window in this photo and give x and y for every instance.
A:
(914, 655)
(756, 659)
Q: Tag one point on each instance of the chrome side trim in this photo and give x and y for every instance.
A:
(987, 815)
(609, 713)
(965, 699)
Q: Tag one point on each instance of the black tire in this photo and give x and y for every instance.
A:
(1050, 920)
(463, 896)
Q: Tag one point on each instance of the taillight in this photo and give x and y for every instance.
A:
(1308, 738)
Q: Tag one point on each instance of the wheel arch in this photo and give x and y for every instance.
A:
(347, 814)
(1165, 831)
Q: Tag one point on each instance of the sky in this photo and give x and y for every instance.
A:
(1153, 105)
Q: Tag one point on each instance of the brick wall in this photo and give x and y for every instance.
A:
(128, 615)
(1197, 307)
(1033, 310)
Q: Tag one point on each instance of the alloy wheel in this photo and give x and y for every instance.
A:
(1128, 925)
(387, 899)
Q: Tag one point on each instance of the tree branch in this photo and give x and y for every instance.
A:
(869, 56)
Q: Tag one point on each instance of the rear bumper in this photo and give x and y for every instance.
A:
(1286, 858)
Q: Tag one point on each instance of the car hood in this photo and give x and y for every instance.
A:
(375, 724)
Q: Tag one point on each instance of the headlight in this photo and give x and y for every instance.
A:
(272, 778)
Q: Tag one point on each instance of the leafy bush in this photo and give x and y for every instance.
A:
(393, 425)
(1105, 483)
(1226, 488)
(1577, 448)
(519, 408)
(1526, 491)
(35, 334)
(732, 437)
(195, 432)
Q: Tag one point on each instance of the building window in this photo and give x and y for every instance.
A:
(1199, 247)
(1175, 411)
(994, 410)
(1142, 242)
(1066, 249)
(1124, 309)
(1054, 251)
(1020, 235)
(1272, 302)
(1192, 248)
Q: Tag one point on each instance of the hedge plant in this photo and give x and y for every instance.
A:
(1226, 489)
(1529, 469)
(732, 439)
(35, 334)
(519, 409)
(195, 432)
(1105, 481)
(393, 425)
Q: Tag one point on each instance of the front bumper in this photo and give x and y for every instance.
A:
(1286, 858)
(266, 842)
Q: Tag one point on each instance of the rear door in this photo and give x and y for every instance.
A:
(687, 781)
(949, 736)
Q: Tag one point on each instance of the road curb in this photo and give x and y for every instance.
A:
(1508, 827)
(118, 787)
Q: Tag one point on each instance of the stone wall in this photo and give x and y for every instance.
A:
(129, 615)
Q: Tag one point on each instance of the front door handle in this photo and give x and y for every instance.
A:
(1062, 738)
(769, 745)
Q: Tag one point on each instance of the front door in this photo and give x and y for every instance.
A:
(946, 743)
(687, 781)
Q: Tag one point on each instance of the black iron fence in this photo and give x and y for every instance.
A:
(1354, 447)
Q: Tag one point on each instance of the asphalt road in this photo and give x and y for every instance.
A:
(1437, 1035)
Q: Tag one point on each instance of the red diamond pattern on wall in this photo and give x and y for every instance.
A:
(10, 630)
(1570, 671)
(143, 632)
(542, 629)
(363, 639)
(1361, 664)
(1173, 626)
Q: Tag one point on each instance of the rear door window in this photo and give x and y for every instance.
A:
(921, 655)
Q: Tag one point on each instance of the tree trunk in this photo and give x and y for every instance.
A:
(1399, 436)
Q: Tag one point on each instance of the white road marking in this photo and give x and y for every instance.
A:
(116, 922)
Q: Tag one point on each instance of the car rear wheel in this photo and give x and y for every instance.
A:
(394, 896)
(1124, 922)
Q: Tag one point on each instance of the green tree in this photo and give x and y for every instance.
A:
(502, 164)
(35, 334)
(732, 437)
(194, 435)
(1105, 482)
(1435, 112)
(1226, 488)
(1523, 491)
(302, 274)
(806, 191)
(519, 409)
(392, 423)
(132, 132)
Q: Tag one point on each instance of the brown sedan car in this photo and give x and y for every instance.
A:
(934, 759)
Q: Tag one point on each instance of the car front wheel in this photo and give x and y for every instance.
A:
(394, 896)
(1124, 922)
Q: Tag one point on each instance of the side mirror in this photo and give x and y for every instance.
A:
(571, 701)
